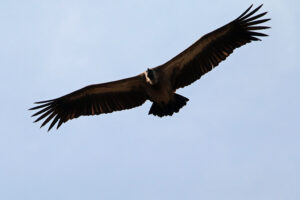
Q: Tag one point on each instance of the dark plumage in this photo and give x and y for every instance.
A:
(160, 83)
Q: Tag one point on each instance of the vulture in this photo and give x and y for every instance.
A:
(160, 83)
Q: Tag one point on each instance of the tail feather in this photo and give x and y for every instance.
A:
(168, 110)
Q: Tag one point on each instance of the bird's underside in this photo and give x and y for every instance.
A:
(160, 83)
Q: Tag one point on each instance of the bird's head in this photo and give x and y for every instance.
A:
(151, 76)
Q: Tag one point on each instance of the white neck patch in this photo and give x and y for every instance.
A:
(149, 80)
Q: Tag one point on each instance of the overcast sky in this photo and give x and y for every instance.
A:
(237, 138)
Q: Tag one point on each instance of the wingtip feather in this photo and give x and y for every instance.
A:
(46, 101)
(53, 122)
(251, 13)
(245, 12)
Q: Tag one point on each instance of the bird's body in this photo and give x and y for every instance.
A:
(158, 84)
(159, 89)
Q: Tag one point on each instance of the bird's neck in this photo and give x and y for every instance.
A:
(153, 80)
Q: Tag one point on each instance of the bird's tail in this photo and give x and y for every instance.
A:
(167, 110)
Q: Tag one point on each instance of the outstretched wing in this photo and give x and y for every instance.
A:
(214, 47)
(93, 100)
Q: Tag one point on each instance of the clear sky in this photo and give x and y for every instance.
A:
(238, 137)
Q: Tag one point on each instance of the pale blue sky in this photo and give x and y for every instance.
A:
(238, 137)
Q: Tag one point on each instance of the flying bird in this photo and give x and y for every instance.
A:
(157, 84)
